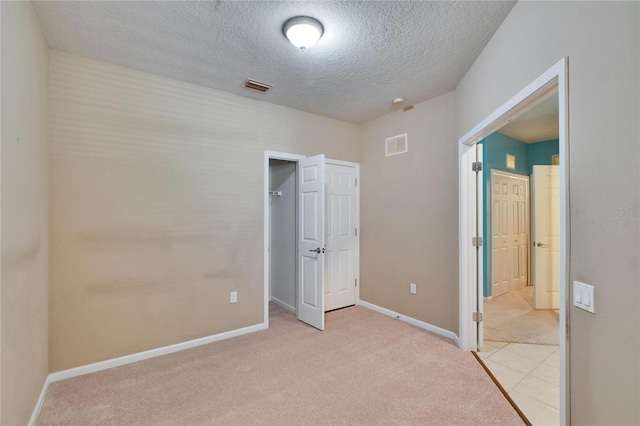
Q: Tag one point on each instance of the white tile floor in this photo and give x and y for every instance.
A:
(531, 376)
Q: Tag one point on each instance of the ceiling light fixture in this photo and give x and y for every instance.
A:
(303, 31)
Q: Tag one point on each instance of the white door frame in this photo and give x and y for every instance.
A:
(470, 286)
(274, 155)
(356, 166)
(271, 155)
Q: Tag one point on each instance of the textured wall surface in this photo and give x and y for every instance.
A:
(157, 206)
(602, 42)
(25, 219)
(409, 214)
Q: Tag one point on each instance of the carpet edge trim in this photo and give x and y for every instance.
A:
(152, 353)
(409, 320)
(502, 389)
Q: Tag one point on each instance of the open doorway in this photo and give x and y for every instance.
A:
(472, 274)
(282, 233)
(521, 220)
(521, 217)
(311, 221)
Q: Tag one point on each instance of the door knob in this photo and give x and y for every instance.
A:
(316, 250)
(540, 245)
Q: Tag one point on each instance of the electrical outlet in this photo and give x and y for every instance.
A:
(413, 288)
(234, 297)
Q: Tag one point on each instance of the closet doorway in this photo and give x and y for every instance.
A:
(311, 235)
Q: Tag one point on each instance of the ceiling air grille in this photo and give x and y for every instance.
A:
(256, 85)
(396, 145)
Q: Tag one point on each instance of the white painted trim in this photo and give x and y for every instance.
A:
(468, 265)
(285, 305)
(40, 402)
(420, 324)
(565, 247)
(357, 166)
(543, 87)
(141, 356)
(341, 163)
(556, 78)
(270, 155)
(488, 299)
(480, 232)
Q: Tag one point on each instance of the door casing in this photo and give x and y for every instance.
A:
(275, 155)
(556, 79)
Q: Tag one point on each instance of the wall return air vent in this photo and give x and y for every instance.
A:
(256, 85)
(396, 145)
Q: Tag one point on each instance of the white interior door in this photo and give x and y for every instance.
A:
(546, 237)
(500, 234)
(519, 232)
(311, 241)
(341, 259)
(510, 232)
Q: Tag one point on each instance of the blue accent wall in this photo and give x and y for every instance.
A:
(495, 148)
(540, 153)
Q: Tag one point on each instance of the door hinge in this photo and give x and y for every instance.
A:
(356, 232)
(477, 317)
(356, 181)
(476, 166)
(476, 241)
(356, 282)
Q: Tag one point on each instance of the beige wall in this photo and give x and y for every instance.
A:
(157, 206)
(24, 220)
(409, 214)
(601, 40)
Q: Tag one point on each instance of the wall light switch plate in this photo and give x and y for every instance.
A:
(233, 298)
(584, 296)
(413, 288)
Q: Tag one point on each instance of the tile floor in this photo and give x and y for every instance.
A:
(531, 376)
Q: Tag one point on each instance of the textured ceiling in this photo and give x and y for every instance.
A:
(540, 123)
(371, 51)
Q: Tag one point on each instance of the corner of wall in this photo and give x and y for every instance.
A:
(24, 216)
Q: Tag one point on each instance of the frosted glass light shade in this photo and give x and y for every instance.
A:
(303, 31)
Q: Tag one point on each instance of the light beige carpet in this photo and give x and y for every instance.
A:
(364, 369)
(511, 318)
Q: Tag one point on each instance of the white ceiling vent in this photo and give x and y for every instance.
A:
(257, 85)
(396, 145)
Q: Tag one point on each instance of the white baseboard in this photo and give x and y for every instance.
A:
(129, 359)
(141, 356)
(488, 299)
(287, 306)
(38, 407)
(420, 324)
